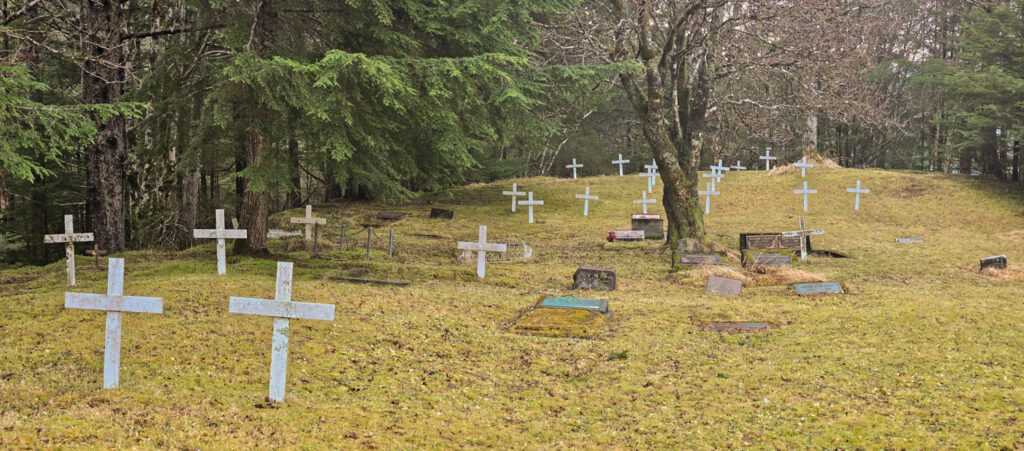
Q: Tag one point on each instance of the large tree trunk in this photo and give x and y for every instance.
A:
(294, 197)
(189, 208)
(810, 136)
(103, 72)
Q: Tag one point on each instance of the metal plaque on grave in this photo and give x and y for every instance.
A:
(771, 260)
(593, 305)
(770, 241)
(700, 259)
(808, 289)
(723, 286)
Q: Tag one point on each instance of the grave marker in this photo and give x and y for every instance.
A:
(804, 166)
(856, 203)
(738, 166)
(625, 235)
(95, 253)
(723, 286)
(652, 169)
(768, 159)
(720, 168)
(573, 166)
(234, 223)
(69, 238)
(715, 176)
(707, 197)
(808, 289)
(910, 240)
(220, 234)
(771, 260)
(586, 200)
(282, 309)
(650, 179)
(530, 203)
(309, 220)
(594, 279)
(390, 216)
(652, 225)
(997, 262)
(700, 259)
(620, 162)
(644, 201)
(805, 192)
(514, 193)
(482, 247)
(802, 233)
(114, 303)
(593, 305)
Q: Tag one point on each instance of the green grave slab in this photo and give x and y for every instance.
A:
(593, 305)
(808, 289)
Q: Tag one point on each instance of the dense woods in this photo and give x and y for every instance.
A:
(142, 117)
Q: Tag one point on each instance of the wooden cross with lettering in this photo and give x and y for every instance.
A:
(620, 162)
(69, 238)
(220, 234)
(803, 234)
(309, 220)
(282, 309)
(514, 193)
(586, 200)
(481, 247)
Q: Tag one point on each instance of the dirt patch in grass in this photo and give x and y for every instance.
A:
(549, 322)
(817, 160)
(1012, 272)
(751, 275)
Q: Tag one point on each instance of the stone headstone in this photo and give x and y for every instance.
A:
(594, 279)
(736, 326)
(771, 260)
(910, 240)
(808, 289)
(700, 259)
(593, 305)
(723, 286)
(390, 216)
(652, 225)
(625, 235)
(771, 241)
(440, 213)
(691, 246)
(997, 262)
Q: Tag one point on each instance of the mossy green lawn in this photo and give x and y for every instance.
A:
(924, 352)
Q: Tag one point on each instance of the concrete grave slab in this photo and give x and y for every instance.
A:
(771, 260)
(652, 225)
(723, 286)
(588, 278)
(593, 305)
(700, 259)
(810, 289)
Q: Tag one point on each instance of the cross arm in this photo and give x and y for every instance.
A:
(132, 304)
(68, 238)
(486, 247)
(221, 234)
(308, 220)
(282, 309)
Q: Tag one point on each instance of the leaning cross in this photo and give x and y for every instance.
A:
(586, 200)
(69, 237)
(707, 200)
(652, 169)
(859, 191)
(650, 178)
(738, 167)
(114, 303)
(514, 193)
(574, 165)
(644, 201)
(281, 308)
(221, 234)
(309, 220)
(715, 176)
(481, 247)
(530, 203)
(804, 166)
(620, 162)
(767, 159)
(721, 169)
(803, 234)
(805, 192)
(95, 252)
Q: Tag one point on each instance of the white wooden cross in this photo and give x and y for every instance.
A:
(707, 200)
(309, 220)
(738, 166)
(574, 165)
(514, 193)
(481, 247)
(69, 238)
(221, 234)
(804, 166)
(620, 162)
(803, 234)
(282, 309)
(114, 303)
(859, 191)
(715, 176)
(586, 200)
(768, 158)
(652, 169)
(650, 178)
(530, 203)
(644, 201)
(805, 192)
(721, 169)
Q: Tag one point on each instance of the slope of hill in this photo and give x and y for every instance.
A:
(924, 352)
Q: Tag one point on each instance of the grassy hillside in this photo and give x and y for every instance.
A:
(925, 351)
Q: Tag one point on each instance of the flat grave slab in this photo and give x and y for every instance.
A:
(564, 323)
(626, 235)
(700, 259)
(652, 225)
(397, 283)
(735, 326)
(771, 260)
(390, 216)
(910, 240)
(593, 305)
(771, 241)
(809, 289)
(594, 279)
(440, 213)
(723, 286)
(997, 262)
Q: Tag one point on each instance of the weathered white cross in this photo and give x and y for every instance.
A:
(715, 176)
(738, 167)
(309, 220)
(481, 247)
(114, 303)
(805, 192)
(644, 201)
(69, 238)
(859, 191)
(707, 200)
(620, 162)
(514, 193)
(282, 309)
(803, 234)
(574, 165)
(530, 203)
(650, 178)
(721, 169)
(586, 200)
(221, 234)
(652, 169)
(768, 159)
(804, 166)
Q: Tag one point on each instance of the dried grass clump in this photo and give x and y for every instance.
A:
(698, 275)
(1012, 272)
(551, 322)
(771, 275)
(1016, 236)
(818, 161)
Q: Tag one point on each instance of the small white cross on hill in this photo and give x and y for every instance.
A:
(530, 203)
(221, 234)
(114, 303)
(309, 220)
(620, 162)
(715, 176)
(768, 159)
(586, 200)
(804, 166)
(803, 234)
(859, 191)
(652, 170)
(69, 238)
(573, 166)
(282, 309)
(707, 200)
(738, 166)
(720, 168)
(650, 178)
(514, 193)
(805, 192)
(644, 201)
(481, 247)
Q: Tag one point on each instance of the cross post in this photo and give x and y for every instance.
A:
(644, 201)
(803, 234)
(530, 203)
(221, 234)
(309, 220)
(620, 162)
(707, 200)
(859, 191)
(805, 192)
(804, 166)
(514, 193)
(69, 238)
(586, 200)
(738, 166)
(768, 158)
(652, 169)
(720, 168)
(481, 247)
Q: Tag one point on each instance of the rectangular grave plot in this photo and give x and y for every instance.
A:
(652, 225)
(564, 323)
(390, 216)
(811, 289)
(594, 279)
(735, 326)
(770, 260)
(910, 240)
(997, 262)
(593, 305)
(723, 286)
(771, 241)
(700, 259)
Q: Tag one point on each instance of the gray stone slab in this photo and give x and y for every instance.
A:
(723, 286)
(692, 246)
(626, 235)
(594, 305)
(910, 240)
(808, 289)
(700, 259)
(771, 260)
(652, 225)
(997, 262)
(770, 241)
(594, 279)
(736, 326)
(440, 213)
